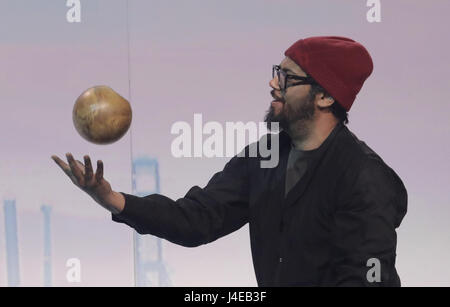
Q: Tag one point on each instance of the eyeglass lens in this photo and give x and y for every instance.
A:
(281, 75)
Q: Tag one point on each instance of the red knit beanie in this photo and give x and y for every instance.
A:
(339, 64)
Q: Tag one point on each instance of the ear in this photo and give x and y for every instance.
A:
(324, 101)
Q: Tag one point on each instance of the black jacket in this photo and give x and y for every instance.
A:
(343, 212)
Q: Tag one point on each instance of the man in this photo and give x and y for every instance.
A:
(324, 216)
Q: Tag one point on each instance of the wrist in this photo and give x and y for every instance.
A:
(116, 202)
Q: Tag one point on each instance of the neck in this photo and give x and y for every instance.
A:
(309, 135)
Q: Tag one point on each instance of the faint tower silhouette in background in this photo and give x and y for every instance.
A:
(12, 249)
(149, 268)
(46, 210)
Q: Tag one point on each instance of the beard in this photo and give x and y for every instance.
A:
(289, 116)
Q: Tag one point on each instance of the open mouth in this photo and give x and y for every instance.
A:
(275, 97)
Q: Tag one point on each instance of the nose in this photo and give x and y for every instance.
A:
(274, 83)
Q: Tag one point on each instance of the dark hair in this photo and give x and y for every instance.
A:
(338, 111)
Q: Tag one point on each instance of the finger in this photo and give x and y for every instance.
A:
(63, 165)
(81, 166)
(75, 168)
(99, 173)
(88, 172)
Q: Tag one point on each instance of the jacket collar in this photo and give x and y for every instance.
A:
(299, 188)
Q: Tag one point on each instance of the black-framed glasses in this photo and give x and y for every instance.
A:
(283, 78)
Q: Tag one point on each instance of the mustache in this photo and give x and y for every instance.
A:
(274, 96)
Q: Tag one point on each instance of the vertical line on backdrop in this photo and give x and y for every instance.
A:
(131, 126)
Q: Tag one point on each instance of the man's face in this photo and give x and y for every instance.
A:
(295, 104)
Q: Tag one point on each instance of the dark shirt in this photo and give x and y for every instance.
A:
(336, 219)
(296, 166)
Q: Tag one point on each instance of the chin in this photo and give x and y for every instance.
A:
(278, 117)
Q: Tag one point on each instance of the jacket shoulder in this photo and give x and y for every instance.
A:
(358, 153)
(364, 162)
(357, 148)
(365, 173)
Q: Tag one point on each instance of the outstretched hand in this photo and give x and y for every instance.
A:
(82, 175)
